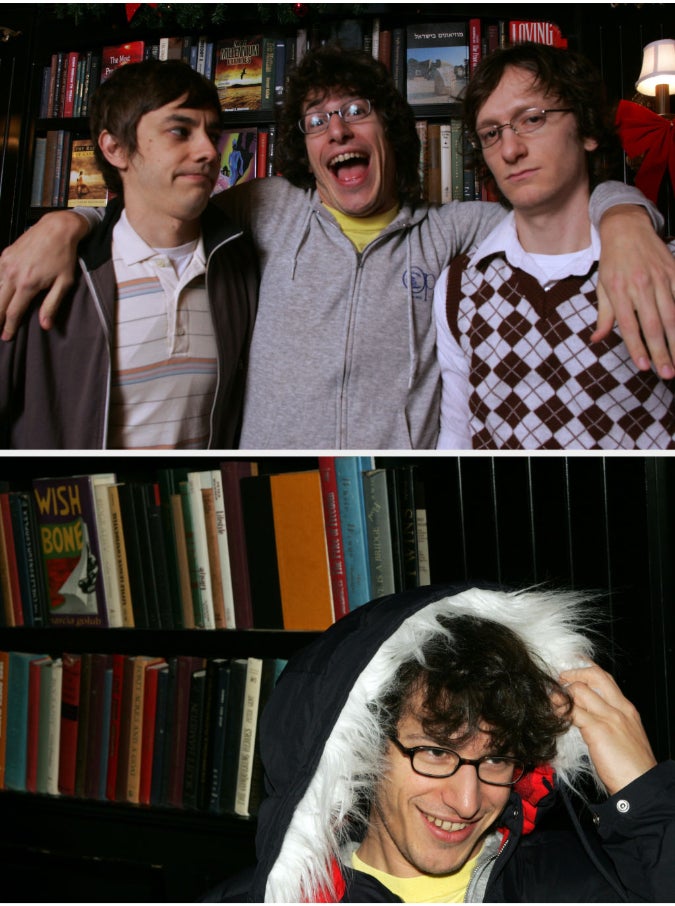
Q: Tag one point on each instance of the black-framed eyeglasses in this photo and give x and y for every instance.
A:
(317, 121)
(528, 121)
(435, 761)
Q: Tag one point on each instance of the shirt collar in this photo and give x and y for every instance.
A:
(503, 240)
(133, 250)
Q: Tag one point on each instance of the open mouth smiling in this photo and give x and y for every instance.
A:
(342, 165)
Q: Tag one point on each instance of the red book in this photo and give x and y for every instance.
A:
(71, 81)
(115, 721)
(261, 160)
(117, 55)
(70, 711)
(13, 572)
(148, 736)
(336, 558)
(475, 43)
(32, 743)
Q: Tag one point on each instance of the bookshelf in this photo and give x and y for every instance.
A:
(612, 36)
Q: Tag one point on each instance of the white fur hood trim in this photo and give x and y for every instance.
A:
(549, 623)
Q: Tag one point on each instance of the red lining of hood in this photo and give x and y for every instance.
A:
(532, 788)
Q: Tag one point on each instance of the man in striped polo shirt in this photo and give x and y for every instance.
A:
(150, 348)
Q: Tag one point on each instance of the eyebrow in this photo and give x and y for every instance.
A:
(183, 118)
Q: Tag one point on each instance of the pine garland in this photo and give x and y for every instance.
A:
(198, 15)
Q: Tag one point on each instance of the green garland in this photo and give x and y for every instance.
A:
(199, 15)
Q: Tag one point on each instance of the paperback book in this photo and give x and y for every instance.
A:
(238, 73)
(70, 551)
(238, 157)
(86, 187)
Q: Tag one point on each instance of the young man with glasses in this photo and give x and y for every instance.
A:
(433, 746)
(515, 314)
(343, 350)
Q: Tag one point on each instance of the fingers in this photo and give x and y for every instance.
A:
(610, 725)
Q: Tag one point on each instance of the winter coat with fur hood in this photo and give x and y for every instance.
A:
(319, 741)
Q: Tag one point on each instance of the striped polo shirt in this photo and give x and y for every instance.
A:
(164, 369)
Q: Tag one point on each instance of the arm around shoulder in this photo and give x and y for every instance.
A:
(43, 258)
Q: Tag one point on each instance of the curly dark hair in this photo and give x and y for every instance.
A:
(334, 68)
(563, 74)
(135, 89)
(480, 678)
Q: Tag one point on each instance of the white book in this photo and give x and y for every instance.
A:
(224, 549)
(446, 163)
(54, 734)
(196, 480)
(100, 482)
(248, 733)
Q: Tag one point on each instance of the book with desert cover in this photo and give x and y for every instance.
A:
(86, 187)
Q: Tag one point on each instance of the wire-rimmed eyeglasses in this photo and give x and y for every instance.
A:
(435, 761)
(528, 121)
(317, 121)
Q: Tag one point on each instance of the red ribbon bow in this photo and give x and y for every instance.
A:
(644, 132)
(132, 9)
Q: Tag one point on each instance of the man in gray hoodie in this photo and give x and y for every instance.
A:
(342, 355)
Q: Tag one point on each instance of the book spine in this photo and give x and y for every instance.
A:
(248, 735)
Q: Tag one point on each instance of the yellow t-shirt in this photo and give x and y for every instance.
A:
(362, 230)
(423, 889)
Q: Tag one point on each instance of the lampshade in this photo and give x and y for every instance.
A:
(658, 67)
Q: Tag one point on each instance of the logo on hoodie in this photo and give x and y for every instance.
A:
(420, 282)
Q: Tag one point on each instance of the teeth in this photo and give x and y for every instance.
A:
(445, 825)
(342, 158)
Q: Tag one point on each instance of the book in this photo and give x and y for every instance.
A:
(50, 727)
(380, 553)
(261, 552)
(237, 72)
(116, 55)
(348, 473)
(194, 740)
(213, 546)
(100, 483)
(70, 550)
(223, 548)
(217, 691)
(129, 502)
(10, 565)
(252, 687)
(35, 685)
(37, 183)
(238, 149)
(18, 689)
(437, 62)
(333, 526)
(30, 566)
(115, 723)
(152, 674)
(100, 689)
(234, 713)
(84, 714)
(71, 64)
(86, 186)
(271, 669)
(121, 565)
(305, 581)
(475, 42)
(446, 162)
(170, 48)
(197, 482)
(540, 32)
(131, 736)
(185, 667)
(159, 747)
(433, 184)
(182, 560)
(4, 696)
(167, 489)
(70, 719)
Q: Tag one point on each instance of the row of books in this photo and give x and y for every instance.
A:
(178, 732)
(430, 62)
(219, 548)
(65, 172)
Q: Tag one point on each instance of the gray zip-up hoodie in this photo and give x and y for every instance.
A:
(343, 352)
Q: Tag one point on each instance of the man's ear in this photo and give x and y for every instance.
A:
(590, 144)
(113, 151)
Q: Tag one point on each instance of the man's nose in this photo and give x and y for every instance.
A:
(337, 127)
(463, 791)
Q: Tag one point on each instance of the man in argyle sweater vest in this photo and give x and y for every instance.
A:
(515, 316)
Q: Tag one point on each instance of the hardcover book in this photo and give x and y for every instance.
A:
(437, 62)
(70, 550)
(238, 73)
(540, 32)
(117, 55)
